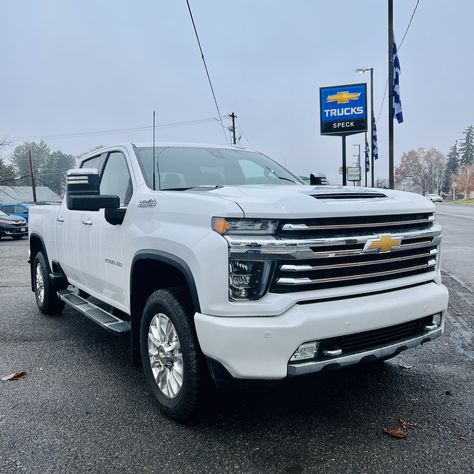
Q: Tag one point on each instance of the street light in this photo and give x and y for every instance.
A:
(362, 70)
(358, 162)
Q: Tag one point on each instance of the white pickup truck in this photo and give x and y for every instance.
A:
(222, 266)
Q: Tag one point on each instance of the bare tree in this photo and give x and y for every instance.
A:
(423, 170)
(464, 179)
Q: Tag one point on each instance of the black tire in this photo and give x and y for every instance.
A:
(48, 301)
(195, 376)
(17, 237)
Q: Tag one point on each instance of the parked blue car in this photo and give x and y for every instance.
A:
(21, 210)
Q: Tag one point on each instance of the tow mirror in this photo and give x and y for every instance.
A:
(83, 191)
(317, 180)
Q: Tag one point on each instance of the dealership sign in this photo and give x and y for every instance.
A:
(343, 109)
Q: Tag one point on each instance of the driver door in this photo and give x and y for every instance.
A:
(103, 267)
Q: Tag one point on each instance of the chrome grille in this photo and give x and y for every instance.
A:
(312, 254)
(340, 264)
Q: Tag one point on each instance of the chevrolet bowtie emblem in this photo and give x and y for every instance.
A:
(343, 97)
(383, 243)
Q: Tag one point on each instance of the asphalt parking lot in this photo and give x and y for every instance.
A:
(83, 407)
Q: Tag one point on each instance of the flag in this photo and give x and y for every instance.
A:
(367, 160)
(375, 150)
(397, 104)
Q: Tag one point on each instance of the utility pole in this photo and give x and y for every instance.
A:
(232, 129)
(362, 70)
(391, 182)
(33, 187)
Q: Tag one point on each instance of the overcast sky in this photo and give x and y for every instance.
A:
(71, 66)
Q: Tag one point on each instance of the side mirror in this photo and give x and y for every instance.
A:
(317, 180)
(83, 192)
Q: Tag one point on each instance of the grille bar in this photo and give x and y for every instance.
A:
(308, 268)
(362, 276)
(363, 225)
(357, 249)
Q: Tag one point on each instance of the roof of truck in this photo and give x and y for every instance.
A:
(162, 145)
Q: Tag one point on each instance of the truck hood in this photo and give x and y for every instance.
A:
(320, 201)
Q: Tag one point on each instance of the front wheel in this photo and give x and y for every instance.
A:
(46, 297)
(173, 363)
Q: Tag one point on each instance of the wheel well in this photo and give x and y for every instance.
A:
(36, 245)
(147, 276)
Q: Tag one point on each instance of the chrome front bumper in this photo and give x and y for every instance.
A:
(361, 357)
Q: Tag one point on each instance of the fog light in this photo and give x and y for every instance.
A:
(437, 319)
(308, 350)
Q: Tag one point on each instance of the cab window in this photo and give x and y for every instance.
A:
(93, 162)
(116, 179)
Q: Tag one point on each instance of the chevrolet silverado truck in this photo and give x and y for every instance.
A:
(223, 267)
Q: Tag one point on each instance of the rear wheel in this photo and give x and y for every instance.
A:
(173, 363)
(46, 297)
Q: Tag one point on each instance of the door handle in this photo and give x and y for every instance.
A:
(60, 219)
(87, 221)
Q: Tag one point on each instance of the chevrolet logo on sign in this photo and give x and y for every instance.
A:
(343, 97)
(382, 244)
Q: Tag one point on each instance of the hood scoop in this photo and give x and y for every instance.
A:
(349, 195)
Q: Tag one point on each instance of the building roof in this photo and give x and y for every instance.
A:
(19, 194)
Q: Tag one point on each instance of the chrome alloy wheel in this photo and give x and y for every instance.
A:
(166, 358)
(39, 283)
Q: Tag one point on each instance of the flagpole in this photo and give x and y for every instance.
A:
(391, 183)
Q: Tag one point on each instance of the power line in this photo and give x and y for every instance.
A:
(383, 100)
(409, 24)
(207, 70)
(112, 131)
(398, 49)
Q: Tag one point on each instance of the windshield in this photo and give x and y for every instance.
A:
(3, 214)
(189, 167)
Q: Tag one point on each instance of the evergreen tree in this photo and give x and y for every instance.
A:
(452, 167)
(466, 150)
(49, 168)
(53, 171)
(7, 174)
(39, 152)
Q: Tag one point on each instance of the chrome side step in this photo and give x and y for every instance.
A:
(104, 319)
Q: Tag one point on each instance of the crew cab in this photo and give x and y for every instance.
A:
(223, 267)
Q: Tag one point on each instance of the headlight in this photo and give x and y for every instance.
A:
(248, 280)
(224, 225)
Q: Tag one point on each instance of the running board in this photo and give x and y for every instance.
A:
(104, 319)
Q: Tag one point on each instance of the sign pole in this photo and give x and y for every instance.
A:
(344, 164)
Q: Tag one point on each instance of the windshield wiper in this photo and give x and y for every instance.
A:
(280, 177)
(175, 189)
(201, 187)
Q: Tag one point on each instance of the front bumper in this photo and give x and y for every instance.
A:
(13, 230)
(260, 347)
